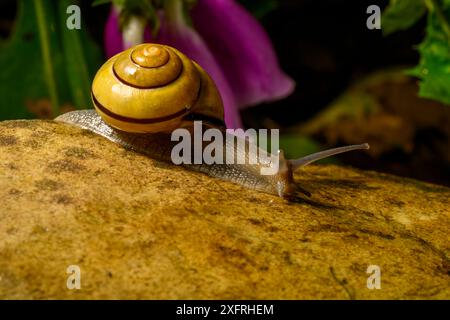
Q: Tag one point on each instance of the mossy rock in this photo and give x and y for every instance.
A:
(142, 229)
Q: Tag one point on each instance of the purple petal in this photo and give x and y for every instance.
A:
(113, 40)
(243, 50)
(185, 39)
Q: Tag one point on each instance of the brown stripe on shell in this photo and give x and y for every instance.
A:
(142, 87)
(111, 114)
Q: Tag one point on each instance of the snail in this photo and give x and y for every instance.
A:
(144, 93)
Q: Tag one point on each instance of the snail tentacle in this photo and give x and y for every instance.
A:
(304, 161)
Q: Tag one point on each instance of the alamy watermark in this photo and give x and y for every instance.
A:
(235, 146)
(73, 21)
(74, 278)
(374, 20)
(374, 280)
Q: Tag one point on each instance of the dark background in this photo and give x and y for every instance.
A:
(325, 45)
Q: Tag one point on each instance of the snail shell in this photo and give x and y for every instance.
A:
(144, 93)
(154, 88)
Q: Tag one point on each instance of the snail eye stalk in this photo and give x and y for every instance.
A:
(301, 162)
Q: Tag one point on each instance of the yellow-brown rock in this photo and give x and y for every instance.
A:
(138, 228)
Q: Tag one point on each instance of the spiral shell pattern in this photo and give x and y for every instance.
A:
(148, 88)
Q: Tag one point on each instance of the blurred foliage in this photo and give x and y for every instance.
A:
(297, 146)
(294, 145)
(402, 14)
(408, 136)
(146, 9)
(47, 68)
(434, 66)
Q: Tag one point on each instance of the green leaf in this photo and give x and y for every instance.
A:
(402, 14)
(23, 74)
(81, 59)
(44, 65)
(434, 66)
(45, 22)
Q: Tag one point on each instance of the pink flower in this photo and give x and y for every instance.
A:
(243, 50)
(112, 39)
(227, 42)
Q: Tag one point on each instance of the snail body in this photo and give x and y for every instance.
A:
(144, 93)
(159, 146)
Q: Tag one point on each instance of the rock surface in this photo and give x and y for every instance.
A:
(138, 228)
